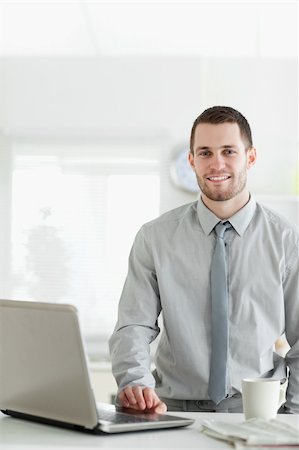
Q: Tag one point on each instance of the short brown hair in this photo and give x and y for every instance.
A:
(222, 114)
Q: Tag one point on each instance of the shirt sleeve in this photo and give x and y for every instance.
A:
(137, 324)
(291, 297)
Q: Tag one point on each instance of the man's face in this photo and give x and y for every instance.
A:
(220, 160)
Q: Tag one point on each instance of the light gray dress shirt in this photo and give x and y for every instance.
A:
(169, 272)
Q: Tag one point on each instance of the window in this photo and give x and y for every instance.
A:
(75, 212)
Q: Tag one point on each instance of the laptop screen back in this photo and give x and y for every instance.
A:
(43, 370)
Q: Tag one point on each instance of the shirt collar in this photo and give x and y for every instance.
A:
(239, 221)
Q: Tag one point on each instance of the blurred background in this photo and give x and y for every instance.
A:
(97, 100)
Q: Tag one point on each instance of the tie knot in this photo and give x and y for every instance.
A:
(221, 228)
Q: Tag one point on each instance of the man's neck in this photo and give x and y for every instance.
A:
(227, 208)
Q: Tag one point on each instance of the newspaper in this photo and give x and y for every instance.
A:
(254, 433)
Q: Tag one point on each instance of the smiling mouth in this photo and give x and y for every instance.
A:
(219, 178)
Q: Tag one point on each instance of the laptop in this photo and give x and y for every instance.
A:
(44, 373)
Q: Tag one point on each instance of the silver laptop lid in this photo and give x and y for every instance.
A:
(43, 368)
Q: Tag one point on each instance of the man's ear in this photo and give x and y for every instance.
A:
(251, 157)
(191, 160)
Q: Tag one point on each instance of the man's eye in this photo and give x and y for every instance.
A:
(203, 154)
(229, 151)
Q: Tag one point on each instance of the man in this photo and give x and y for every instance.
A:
(225, 298)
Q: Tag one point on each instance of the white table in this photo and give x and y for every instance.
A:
(16, 434)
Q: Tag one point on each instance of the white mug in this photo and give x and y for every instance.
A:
(262, 397)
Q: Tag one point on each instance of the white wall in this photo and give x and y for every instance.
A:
(85, 96)
(156, 98)
(266, 92)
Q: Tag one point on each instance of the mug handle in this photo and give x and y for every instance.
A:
(282, 394)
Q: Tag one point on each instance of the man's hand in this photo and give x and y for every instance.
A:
(142, 399)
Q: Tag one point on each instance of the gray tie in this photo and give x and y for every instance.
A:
(219, 297)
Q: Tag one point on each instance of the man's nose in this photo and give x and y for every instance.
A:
(217, 162)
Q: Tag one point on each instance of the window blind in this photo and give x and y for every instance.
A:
(74, 218)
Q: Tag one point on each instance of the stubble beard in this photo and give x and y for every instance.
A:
(235, 186)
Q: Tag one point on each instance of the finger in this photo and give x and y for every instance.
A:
(130, 396)
(138, 392)
(161, 408)
(123, 401)
(158, 406)
(149, 397)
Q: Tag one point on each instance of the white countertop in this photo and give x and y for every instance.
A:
(19, 434)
